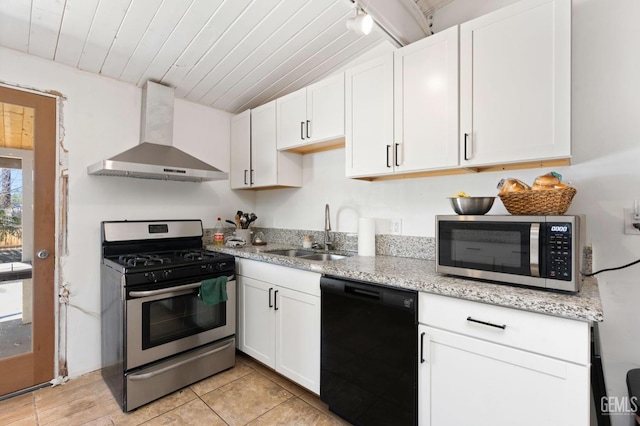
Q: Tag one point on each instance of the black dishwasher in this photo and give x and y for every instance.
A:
(369, 352)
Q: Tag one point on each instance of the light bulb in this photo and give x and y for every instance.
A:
(362, 24)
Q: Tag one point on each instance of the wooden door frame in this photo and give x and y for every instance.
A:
(37, 366)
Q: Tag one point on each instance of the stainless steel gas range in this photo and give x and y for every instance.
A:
(157, 334)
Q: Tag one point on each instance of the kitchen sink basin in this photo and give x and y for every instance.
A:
(323, 256)
(291, 252)
(306, 254)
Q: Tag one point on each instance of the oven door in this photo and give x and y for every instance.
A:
(488, 249)
(167, 321)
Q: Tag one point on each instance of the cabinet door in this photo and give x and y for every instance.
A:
(465, 380)
(240, 150)
(264, 162)
(256, 319)
(325, 109)
(426, 103)
(369, 118)
(298, 337)
(515, 84)
(292, 119)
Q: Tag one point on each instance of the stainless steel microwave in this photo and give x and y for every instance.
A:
(537, 251)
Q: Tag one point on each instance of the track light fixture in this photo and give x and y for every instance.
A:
(361, 24)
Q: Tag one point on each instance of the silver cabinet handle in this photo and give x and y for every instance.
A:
(42, 254)
(388, 151)
(308, 125)
(395, 155)
(302, 130)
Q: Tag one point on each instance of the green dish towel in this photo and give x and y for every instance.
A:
(213, 291)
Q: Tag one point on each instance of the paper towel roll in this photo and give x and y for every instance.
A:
(366, 236)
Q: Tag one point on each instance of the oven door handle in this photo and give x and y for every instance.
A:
(169, 290)
(134, 377)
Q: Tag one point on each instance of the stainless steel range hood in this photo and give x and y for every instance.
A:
(155, 157)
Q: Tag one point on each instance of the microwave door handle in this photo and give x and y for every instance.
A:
(534, 249)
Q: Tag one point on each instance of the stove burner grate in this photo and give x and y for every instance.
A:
(142, 260)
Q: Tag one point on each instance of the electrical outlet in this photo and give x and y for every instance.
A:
(629, 220)
(395, 226)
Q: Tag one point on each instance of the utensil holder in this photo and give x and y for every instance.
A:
(245, 234)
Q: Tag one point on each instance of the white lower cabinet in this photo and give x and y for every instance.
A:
(279, 319)
(479, 379)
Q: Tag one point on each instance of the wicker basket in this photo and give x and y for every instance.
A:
(549, 202)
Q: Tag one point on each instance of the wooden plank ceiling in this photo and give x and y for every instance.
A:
(228, 54)
(16, 126)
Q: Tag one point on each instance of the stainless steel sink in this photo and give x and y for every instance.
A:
(291, 252)
(323, 256)
(306, 254)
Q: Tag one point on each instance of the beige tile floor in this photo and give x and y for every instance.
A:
(248, 394)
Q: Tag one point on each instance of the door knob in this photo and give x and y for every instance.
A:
(42, 254)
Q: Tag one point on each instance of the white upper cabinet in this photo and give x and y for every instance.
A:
(369, 117)
(402, 110)
(515, 84)
(314, 114)
(325, 109)
(426, 103)
(264, 161)
(292, 119)
(240, 150)
(255, 161)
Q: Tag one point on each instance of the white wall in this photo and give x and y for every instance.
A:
(606, 155)
(101, 118)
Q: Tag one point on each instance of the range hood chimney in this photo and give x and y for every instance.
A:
(155, 157)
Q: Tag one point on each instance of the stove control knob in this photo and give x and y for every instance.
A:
(166, 273)
(151, 277)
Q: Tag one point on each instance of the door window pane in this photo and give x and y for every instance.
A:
(16, 214)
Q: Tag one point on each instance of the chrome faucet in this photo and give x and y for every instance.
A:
(328, 244)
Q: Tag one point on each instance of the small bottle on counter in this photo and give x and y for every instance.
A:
(306, 243)
(218, 234)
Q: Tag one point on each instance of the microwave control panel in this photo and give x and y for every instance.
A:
(558, 251)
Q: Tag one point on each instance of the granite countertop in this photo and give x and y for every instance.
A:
(420, 275)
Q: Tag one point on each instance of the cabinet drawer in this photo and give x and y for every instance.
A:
(544, 334)
(294, 279)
